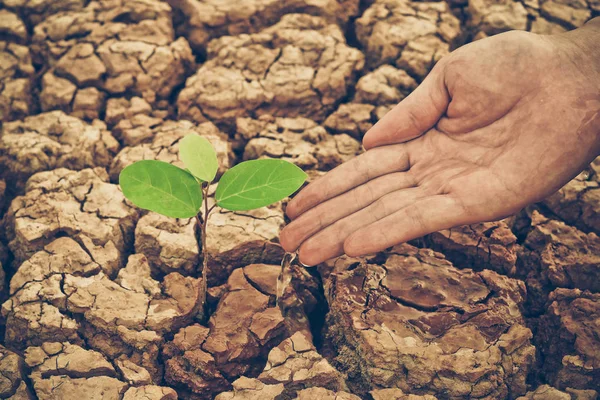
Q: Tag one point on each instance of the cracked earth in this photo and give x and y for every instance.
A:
(100, 300)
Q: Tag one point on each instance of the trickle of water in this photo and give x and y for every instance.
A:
(291, 306)
(285, 275)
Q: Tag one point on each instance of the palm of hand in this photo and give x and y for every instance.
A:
(498, 124)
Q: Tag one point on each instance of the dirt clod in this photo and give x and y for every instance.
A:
(298, 140)
(300, 66)
(119, 48)
(16, 76)
(67, 371)
(489, 245)
(53, 140)
(398, 325)
(547, 392)
(81, 204)
(240, 333)
(205, 20)
(161, 142)
(568, 340)
(410, 35)
(13, 376)
(557, 255)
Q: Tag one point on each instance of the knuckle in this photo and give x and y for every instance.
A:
(286, 239)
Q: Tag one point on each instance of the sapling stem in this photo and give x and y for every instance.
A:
(202, 221)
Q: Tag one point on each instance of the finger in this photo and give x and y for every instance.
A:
(329, 242)
(355, 172)
(325, 214)
(414, 115)
(430, 214)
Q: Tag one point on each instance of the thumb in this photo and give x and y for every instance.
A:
(414, 115)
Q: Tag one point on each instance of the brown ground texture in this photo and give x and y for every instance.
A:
(100, 300)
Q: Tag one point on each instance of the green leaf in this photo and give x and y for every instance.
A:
(161, 187)
(258, 183)
(199, 157)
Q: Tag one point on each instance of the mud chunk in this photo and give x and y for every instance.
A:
(67, 371)
(490, 17)
(163, 144)
(150, 392)
(53, 140)
(244, 327)
(133, 120)
(411, 35)
(12, 26)
(122, 322)
(136, 276)
(33, 312)
(324, 394)
(137, 130)
(549, 393)
(191, 368)
(124, 319)
(496, 16)
(55, 358)
(237, 239)
(16, 75)
(544, 27)
(384, 86)
(2, 198)
(376, 93)
(205, 20)
(87, 103)
(353, 119)
(488, 245)
(299, 67)
(346, 263)
(243, 307)
(169, 244)
(578, 203)
(60, 202)
(557, 255)
(425, 327)
(397, 394)
(36, 11)
(57, 93)
(3, 291)
(118, 109)
(251, 389)
(571, 14)
(568, 340)
(13, 376)
(119, 48)
(132, 373)
(296, 364)
(298, 140)
(45, 263)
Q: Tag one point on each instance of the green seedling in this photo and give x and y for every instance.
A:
(183, 193)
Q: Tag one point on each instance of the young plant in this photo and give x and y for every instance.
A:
(181, 193)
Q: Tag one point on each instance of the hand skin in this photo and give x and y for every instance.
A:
(498, 124)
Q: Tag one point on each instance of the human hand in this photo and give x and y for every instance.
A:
(498, 124)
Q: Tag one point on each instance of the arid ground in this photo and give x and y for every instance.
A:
(100, 300)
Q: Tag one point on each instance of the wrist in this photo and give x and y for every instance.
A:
(579, 53)
(581, 48)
